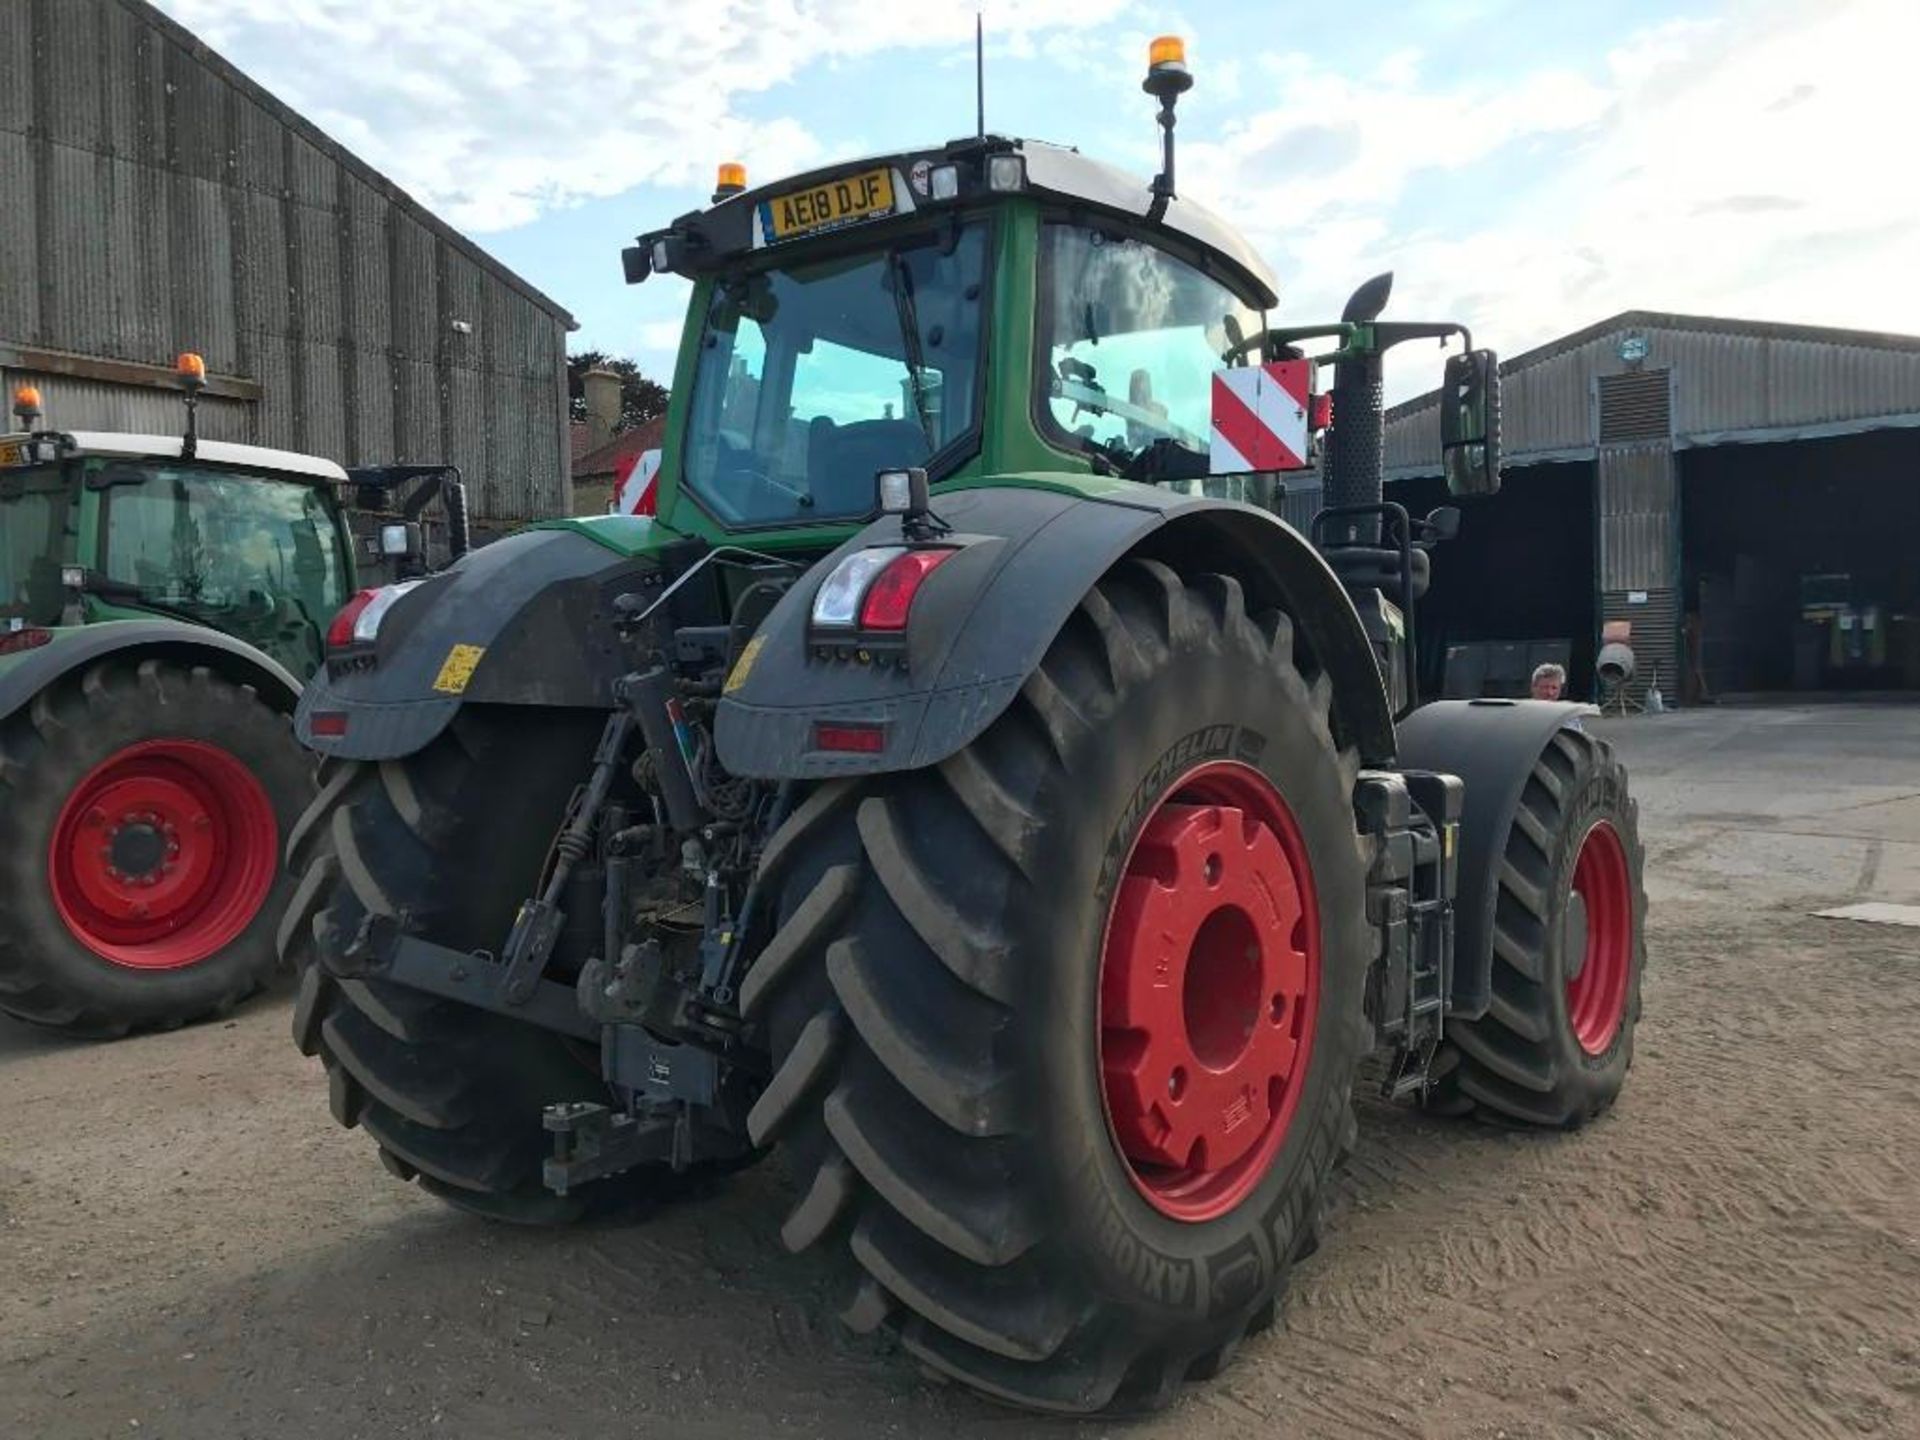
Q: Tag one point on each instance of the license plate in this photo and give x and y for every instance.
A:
(836, 202)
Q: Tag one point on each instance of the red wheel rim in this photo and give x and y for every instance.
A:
(1209, 988)
(163, 854)
(1597, 994)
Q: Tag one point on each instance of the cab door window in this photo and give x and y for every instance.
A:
(1129, 340)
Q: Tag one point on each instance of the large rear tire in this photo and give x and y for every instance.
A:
(455, 837)
(142, 808)
(970, 1042)
(1569, 946)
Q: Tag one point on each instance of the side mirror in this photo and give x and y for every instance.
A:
(1470, 423)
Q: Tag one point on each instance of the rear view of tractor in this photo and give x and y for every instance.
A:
(162, 599)
(966, 785)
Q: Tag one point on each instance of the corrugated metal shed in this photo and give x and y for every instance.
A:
(158, 200)
(1733, 380)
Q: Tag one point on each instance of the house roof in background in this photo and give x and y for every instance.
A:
(617, 452)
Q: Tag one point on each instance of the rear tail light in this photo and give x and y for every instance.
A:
(340, 632)
(836, 605)
(358, 621)
(328, 724)
(12, 642)
(890, 596)
(874, 589)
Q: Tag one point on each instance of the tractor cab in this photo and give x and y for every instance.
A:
(1006, 313)
(987, 308)
(1009, 313)
(99, 526)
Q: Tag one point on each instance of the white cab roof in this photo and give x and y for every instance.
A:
(217, 452)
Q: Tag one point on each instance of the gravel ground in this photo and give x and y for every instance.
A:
(189, 1247)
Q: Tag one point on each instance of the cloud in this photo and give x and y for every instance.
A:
(661, 336)
(492, 112)
(1746, 164)
(1696, 167)
(1749, 205)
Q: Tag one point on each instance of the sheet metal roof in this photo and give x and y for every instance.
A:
(1733, 381)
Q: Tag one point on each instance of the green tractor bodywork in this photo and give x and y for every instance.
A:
(964, 785)
(162, 600)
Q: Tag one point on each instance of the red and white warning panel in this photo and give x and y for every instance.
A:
(634, 490)
(1260, 417)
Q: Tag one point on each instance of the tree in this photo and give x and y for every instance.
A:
(641, 399)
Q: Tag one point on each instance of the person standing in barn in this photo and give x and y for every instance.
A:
(1548, 682)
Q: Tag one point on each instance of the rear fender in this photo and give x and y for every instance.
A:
(983, 621)
(523, 621)
(135, 640)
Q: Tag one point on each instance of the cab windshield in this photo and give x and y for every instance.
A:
(34, 503)
(812, 377)
(254, 556)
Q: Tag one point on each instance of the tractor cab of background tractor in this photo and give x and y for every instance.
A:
(101, 526)
(257, 543)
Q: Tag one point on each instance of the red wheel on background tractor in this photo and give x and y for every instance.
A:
(1065, 1029)
(142, 808)
(163, 854)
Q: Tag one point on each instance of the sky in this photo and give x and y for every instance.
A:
(1522, 166)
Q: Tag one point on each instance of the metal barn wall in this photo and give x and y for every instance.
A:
(157, 200)
(133, 409)
(1639, 555)
(1639, 541)
(1729, 379)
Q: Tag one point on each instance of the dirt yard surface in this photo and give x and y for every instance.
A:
(190, 1248)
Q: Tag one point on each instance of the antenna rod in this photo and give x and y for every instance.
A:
(979, 76)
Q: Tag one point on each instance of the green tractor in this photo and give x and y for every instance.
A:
(966, 785)
(162, 599)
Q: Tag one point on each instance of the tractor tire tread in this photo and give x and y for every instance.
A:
(907, 1161)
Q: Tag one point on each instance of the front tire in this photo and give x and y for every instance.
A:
(142, 809)
(1569, 947)
(952, 1053)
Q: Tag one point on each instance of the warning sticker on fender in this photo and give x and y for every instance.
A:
(743, 667)
(457, 672)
